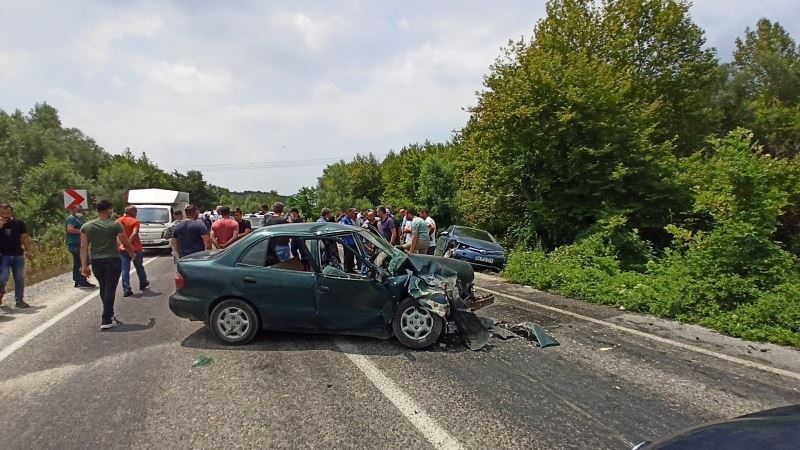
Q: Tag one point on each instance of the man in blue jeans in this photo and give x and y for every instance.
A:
(130, 226)
(13, 239)
(73, 225)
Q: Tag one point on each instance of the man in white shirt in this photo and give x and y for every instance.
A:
(405, 228)
(431, 226)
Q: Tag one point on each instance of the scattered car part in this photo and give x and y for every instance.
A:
(202, 360)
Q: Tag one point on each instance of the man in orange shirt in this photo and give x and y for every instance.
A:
(130, 227)
(224, 231)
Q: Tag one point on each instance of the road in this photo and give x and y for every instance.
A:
(615, 380)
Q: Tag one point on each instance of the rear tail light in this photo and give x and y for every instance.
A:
(180, 282)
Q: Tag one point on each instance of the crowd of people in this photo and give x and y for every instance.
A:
(108, 247)
(414, 231)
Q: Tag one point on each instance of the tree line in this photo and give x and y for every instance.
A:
(625, 164)
(596, 115)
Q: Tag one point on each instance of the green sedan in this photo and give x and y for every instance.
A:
(248, 287)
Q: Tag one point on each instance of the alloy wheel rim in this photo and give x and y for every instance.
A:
(416, 323)
(233, 322)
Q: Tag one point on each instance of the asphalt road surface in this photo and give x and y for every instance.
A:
(615, 380)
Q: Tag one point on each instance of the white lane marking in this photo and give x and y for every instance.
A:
(16, 345)
(729, 358)
(436, 435)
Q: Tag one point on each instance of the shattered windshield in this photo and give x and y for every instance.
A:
(383, 254)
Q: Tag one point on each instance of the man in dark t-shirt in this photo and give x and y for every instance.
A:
(245, 227)
(279, 245)
(191, 235)
(13, 239)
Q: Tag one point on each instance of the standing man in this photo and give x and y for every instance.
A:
(431, 229)
(72, 227)
(224, 231)
(190, 235)
(265, 212)
(405, 228)
(294, 216)
(130, 226)
(99, 241)
(281, 244)
(245, 227)
(349, 243)
(13, 239)
(326, 215)
(387, 226)
(420, 236)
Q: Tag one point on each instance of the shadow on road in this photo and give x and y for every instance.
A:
(278, 341)
(6, 318)
(125, 327)
(148, 294)
(33, 309)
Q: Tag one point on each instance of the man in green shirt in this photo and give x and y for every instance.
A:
(99, 240)
(420, 233)
(72, 226)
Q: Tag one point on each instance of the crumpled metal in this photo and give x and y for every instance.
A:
(432, 292)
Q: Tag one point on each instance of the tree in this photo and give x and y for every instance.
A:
(568, 130)
(41, 198)
(658, 45)
(763, 90)
(365, 181)
(116, 179)
(438, 189)
(307, 201)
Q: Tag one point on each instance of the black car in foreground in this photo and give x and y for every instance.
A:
(476, 247)
(772, 429)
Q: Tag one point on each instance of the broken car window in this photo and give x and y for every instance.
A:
(255, 255)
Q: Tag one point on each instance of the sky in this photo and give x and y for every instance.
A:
(259, 95)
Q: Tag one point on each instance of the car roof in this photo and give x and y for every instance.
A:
(306, 229)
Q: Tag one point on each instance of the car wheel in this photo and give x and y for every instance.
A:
(414, 326)
(234, 322)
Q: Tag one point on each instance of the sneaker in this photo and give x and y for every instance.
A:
(22, 304)
(108, 326)
(85, 285)
(127, 294)
(144, 286)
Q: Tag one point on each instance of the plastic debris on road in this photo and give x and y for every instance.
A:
(528, 330)
(202, 360)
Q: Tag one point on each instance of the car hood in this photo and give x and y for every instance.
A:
(479, 244)
(446, 267)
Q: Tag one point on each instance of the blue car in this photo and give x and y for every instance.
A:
(477, 247)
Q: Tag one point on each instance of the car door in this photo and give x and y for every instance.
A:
(352, 302)
(442, 241)
(285, 299)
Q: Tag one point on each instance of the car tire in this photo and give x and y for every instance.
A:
(414, 326)
(234, 322)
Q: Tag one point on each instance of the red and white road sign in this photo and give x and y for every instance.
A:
(75, 197)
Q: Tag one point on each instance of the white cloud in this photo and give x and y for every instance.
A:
(260, 81)
(313, 32)
(95, 46)
(188, 79)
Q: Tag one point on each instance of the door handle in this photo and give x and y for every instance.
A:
(249, 280)
(324, 289)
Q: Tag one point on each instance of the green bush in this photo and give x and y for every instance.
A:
(732, 276)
